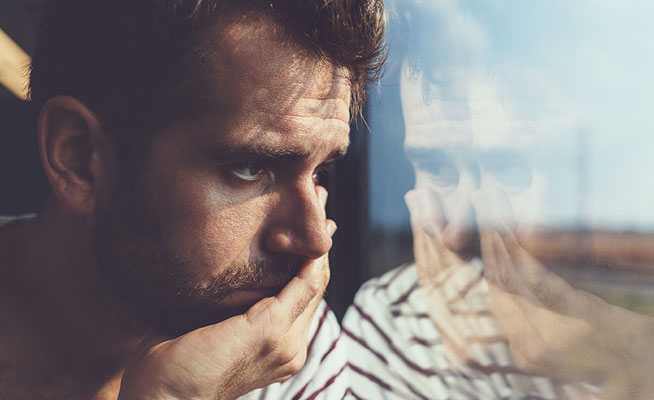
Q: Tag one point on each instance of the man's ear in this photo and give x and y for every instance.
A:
(73, 150)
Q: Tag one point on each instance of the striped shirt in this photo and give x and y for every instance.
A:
(324, 374)
(396, 350)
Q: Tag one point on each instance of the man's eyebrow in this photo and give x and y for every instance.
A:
(336, 155)
(259, 153)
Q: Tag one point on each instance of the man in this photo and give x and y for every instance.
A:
(183, 250)
(477, 316)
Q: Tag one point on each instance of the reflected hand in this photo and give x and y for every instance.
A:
(265, 345)
(554, 329)
(456, 292)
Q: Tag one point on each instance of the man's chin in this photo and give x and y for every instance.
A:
(237, 302)
(243, 299)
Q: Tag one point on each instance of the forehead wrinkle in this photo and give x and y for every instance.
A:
(325, 134)
(332, 110)
(258, 58)
(307, 102)
(302, 92)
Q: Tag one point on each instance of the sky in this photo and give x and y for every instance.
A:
(580, 75)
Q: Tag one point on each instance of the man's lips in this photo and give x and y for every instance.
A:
(250, 295)
(269, 289)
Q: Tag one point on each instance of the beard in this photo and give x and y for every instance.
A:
(148, 271)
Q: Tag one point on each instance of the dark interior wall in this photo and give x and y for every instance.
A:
(347, 205)
(18, 18)
(23, 186)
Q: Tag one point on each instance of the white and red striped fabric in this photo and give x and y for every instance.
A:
(396, 352)
(324, 375)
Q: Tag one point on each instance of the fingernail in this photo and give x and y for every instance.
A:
(331, 227)
(322, 196)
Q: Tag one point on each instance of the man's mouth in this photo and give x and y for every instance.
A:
(251, 295)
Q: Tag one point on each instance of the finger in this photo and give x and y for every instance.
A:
(427, 223)
(299, 332)
(307, 285)
(322, 195)
(331, 227)
(464, 280)
(517, 325)
(499, 212)
(487, 229)
(511, 267)
(533, 281)
(509, 271)
(529, 278)
(152, 340)
(296, 340)
(307, 315)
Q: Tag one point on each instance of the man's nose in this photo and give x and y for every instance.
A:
(299, 224)
(460, 233)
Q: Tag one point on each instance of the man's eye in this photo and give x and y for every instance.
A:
(247, 171)
(321, 171)
(441, 173)
(511, 171)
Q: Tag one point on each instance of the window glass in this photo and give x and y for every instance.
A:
(509, 158)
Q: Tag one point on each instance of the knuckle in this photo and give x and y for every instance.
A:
(551, 299)
(504, 279)
(287, 355)
(520, 362)
(527, 356)
(519, 358)
(314, 287)
(270, 345)
(295, 364)
(327, 276)
(284, 378)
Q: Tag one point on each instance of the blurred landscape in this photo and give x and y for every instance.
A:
(617, 266)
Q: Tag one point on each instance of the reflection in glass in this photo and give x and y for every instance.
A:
(528, 128)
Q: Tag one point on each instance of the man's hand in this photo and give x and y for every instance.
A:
(265, 345)
(455, 291)
(554, 329)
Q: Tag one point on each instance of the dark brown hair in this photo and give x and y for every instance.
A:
(141, 64)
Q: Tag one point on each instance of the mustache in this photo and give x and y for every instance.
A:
(263, 273)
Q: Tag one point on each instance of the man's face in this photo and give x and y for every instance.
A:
(223, 210)
(463, 143)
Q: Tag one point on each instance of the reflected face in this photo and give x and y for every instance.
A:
(462, 141)
(223, 210)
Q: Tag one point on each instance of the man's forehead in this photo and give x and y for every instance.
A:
(254, 56)
(479, 116)
(271, 96)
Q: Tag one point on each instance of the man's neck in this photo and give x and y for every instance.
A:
(60, 304)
